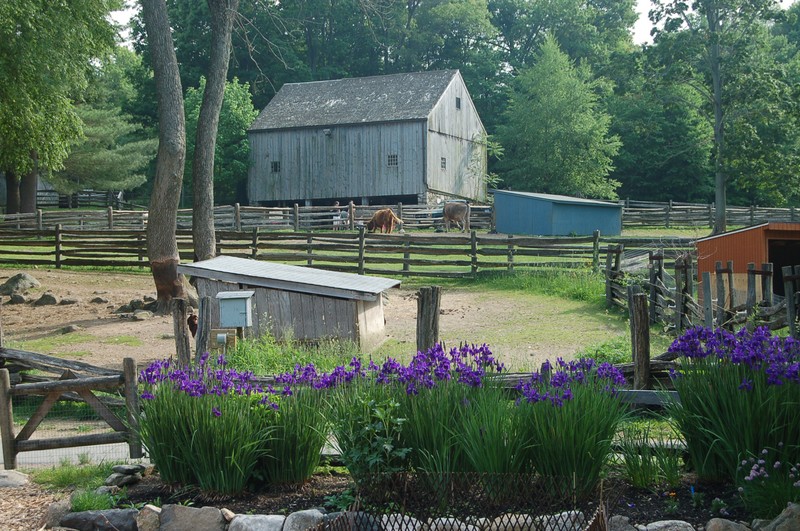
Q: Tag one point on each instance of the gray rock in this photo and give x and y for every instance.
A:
(620, 523)
(400, 522)
(125, 308)
(99, 300)
(257, 522)
(110, 520)
(302, 520)
(120, 480)
(136, 304)
(70, 329)
(759, 524)
(128, 469)
(107, 489)
(721, 524)
(56, 511)
(788, 520)
(149, 518)
(566, 521)
(449, 524)
(142, 315)
(17, 298)
(47, 299)
(19, 283)
(67, 302)
(669, 525)
(182, 518)
(12, 478)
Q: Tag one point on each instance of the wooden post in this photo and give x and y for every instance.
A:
(720, 294)
(609, 273)
(596, 251)
(655, 270)
(309, 251)
(731, 292)
(679, 268)
(752, 214)
(351, 215)
(473, 243)
(789, 282)
(750, 303)
(254, 250)
(429, 301)
(510, 254)
(2, 341)
(766, 283)
(400, 210)
(296, 217)
(362, 234)
(58, 246)
(7, 422)
(640, 341)
(406, 255)
(180, 316)
(39, 220)
(140, 249)
(110, 215)
(708, 307)
(203, 335)
(791, 213)
(131, 391)
(237, 217)
(689, 276)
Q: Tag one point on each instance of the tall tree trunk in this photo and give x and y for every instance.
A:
(222, 15)
(720, 179)
(162, 247)
(28, 186)
(12, 192)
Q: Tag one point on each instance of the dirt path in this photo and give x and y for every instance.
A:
(523, 329)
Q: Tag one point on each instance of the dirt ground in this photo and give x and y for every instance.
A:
(104, 338)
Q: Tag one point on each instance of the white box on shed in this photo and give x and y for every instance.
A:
(235, 309)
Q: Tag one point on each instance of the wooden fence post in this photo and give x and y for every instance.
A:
(640, 340)
(351, 215)
(708, 304)
(296, 217)
(473, 243)
(58, 246)
(429, 300)
(790, 280)
(752, 214)
(406, 255)
(362, 234)
(656, 276)
(766, 283)
(720, 294)
(679, 269)
(110, 215)
(39, 219)
(254, 251)
(309, 250)
(203, 334)
(180, 316)
(750, 303)
(237, 217)
(609, 292)
(596, 251)
(131, 391)
(7, 422)
(510, 254)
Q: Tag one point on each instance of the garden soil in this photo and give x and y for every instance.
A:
(102, 337)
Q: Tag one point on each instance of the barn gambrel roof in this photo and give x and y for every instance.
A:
(389, 98)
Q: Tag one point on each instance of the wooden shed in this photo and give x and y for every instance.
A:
(298, 302)
(554, 215)
(773, 242)
(407, 138)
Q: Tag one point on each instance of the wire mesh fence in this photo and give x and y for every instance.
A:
(475, 501)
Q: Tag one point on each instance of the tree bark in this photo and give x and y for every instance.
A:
(162, 247)
(720, 179)
(222, 16)
(12, 192)
(27, 189)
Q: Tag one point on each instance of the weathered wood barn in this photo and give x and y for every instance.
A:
(407, 138)
(299, 302)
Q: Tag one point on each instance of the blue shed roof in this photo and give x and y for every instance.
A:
(564, 199)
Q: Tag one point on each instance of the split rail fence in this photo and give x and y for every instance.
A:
(674, 214)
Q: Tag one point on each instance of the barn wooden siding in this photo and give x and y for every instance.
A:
(458, 136)
(352, 161)
(744, 246)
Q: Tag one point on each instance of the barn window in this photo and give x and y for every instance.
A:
(275, 166)
(392, 161)
(444, 163)
(458, 103)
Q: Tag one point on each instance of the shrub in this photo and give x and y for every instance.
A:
(738, 393)
(89, 500)
(767, 482)
(650, 458)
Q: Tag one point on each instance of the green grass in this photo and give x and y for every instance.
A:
(68, 475)
(50, 343)
(618, 349)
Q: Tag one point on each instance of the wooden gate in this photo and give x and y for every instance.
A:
(54, 391)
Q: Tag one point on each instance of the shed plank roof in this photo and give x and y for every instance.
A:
(395, 97)
(562, 199)
(289, 277)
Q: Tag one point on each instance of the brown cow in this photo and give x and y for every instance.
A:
(383, 219)
(458, 213)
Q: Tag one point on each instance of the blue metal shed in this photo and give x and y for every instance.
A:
(554, 215)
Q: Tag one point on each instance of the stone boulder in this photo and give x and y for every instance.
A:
(47, 299)
(182, 518)
(302, 520)
(788, 520)
(110, 520)
(19, 283)
(257, 522)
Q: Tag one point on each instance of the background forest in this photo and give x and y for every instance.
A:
(572, 105)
